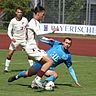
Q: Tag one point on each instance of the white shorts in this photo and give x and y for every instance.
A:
(36, 54)
(14, 45)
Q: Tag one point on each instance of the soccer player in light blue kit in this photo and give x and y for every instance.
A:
(59, 53)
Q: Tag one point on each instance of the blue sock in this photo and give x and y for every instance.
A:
(51, 78)
(20, 74)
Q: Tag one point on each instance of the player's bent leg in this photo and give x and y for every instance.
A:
(34, 85)
(12, 78)
(12, 48)
(32, 71)
(46, 63)
(8, 60)
(17, 76)
(51, 75)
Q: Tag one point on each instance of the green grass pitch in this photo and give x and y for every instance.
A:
(85, 68)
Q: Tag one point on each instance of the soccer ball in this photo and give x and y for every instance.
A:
(49, 85)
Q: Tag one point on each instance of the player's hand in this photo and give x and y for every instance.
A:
(77, 84)
(51, 39)
(13, 40)
(54, 29)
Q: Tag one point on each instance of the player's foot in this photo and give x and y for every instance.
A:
(44, 82)
(37, 80)
(12, 78)
(6, 69)
(77, 84)
(34, 85)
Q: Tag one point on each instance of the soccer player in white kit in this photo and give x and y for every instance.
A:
(31, 46)
(17, 34)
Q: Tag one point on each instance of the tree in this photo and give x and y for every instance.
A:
(73, 10)
(72, 13)
(9, 7)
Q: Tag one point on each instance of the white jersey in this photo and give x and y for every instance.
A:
(33, 34)
(17, 29)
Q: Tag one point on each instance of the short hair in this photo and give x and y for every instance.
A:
(67, 38)
(20, 8)
(38, 9)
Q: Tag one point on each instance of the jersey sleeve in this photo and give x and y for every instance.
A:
(68, 61)
(10, 27)
(46, 40)
(34, 27)
(72, 73)
(70, 68)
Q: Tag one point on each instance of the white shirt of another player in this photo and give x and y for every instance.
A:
(17, 29)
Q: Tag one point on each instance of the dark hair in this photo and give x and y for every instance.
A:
(38, 9)
(20, 8)
(67, 38)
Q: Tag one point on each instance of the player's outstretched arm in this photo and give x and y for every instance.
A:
(73, 75)
(77, 84)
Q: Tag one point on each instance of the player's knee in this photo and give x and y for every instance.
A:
(46, 60)
(9, 57)
(30, 74)
(50, 62)
(32, 71)
(55, 74)
(26, 74)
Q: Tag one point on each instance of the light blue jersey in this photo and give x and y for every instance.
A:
(59, 56)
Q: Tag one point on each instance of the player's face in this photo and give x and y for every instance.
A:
(67, 44)
(19, 14)
(41, 15)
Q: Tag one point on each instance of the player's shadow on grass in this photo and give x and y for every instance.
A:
(42, 90)
(57, 85)
(29, 86)
(20, 84)
(17, 70)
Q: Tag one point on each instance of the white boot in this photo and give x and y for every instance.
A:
(34, 85)
(6, 69)
(37, 80)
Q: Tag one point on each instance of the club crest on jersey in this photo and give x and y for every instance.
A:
(22, 22)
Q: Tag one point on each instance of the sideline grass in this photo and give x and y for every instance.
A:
(85, 68)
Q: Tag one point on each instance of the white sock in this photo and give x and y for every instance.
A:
(30, 62)
(7, 62)
(16, 76)
(38, 78)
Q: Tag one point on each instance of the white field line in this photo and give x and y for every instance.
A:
(72, 61)
(84, 61)
(16, 63)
